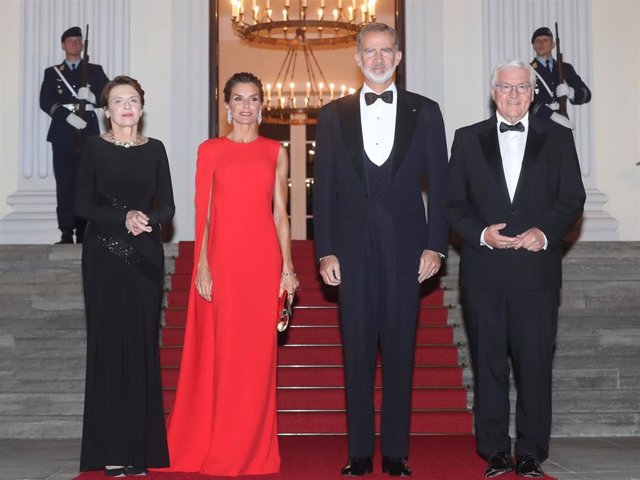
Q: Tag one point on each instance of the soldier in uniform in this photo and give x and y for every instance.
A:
(59, 98)
(548, 88)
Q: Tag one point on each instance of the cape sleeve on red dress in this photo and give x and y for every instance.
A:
(189, 425)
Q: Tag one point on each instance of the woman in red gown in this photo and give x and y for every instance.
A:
(224, 418)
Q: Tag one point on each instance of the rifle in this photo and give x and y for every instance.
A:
(563, 100)
(82, 104)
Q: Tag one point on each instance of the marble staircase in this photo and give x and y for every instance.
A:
(596, 376)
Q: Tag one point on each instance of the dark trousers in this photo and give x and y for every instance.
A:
(65, 168)
(520, 325)
(379, 306)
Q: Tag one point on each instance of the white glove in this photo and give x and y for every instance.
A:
(85, 93)
(562, 120)
(76, 121)
(564, 90)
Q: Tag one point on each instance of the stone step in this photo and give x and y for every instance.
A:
(593, 424)
(64, 321)
(51, 385)
(33, 426)
(38, 368)
(46, 404)
(596, 401)
(11, 312)
(570, 320)
(584, 379)
(68, 340)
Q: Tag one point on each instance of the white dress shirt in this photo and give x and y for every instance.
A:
(512, 144)
(378, 122)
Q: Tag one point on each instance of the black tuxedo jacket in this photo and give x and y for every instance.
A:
(341, 188)
(549, 196)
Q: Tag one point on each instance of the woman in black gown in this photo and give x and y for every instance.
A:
(124, 192)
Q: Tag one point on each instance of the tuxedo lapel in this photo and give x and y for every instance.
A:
(536, 137)
(491, 149)
(406, 121)
(351, 128)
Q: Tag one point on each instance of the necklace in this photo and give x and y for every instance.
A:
(119, 143)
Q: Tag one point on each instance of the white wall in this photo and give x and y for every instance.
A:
(169, 55)
(444, 58)
(616, 103)
(9, 101)
(169, 51)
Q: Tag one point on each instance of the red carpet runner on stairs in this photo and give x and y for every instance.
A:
(310, 375)
(311, 384)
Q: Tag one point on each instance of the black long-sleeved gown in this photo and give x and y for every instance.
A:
(123, 284)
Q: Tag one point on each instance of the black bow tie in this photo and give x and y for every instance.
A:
(518, 127)
(371, 97)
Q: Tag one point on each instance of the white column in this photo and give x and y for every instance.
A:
(424, 48)
(507, 26)
(33, 218)
(189, 105)
(298, 178)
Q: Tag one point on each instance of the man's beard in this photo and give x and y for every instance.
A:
(379, 78)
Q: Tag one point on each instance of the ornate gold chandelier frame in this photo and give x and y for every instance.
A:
(287, 103)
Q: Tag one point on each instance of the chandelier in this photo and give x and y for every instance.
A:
(300, 25)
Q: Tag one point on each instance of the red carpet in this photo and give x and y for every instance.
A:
(311, 385)
(310, 375)
(321, 457)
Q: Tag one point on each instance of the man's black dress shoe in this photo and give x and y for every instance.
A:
(357, 466)
(499, 464)
(396, 467)
(66, 237)
(529, 467)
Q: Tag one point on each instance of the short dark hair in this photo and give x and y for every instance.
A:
(377, 27)
(116, 82)
(242, 77)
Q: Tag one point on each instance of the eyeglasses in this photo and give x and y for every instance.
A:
(506, 89)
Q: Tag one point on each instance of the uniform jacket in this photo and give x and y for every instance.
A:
(542, 98)
(54, 93)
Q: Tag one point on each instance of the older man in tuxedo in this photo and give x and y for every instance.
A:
(514, 190)
(374, 149)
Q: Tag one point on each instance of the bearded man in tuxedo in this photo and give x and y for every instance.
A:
(374, 149)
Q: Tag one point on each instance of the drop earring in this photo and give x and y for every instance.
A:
(229, 118)
(259, 117)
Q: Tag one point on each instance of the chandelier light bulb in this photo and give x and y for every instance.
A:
(299, 30)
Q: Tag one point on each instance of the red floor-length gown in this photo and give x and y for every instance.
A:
(224, 418)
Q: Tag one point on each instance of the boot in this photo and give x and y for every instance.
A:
(79, 235)
(67, 236)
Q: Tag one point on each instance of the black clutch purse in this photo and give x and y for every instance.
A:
(285, 311)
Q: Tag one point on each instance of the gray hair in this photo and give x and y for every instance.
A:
(377, 27)
(513, 63)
